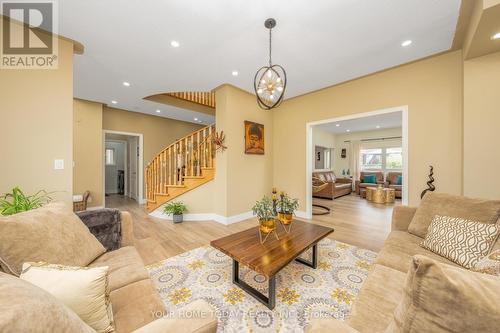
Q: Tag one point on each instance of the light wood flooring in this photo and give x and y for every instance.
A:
(355, 221)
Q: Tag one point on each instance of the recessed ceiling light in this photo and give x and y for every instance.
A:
(195, 119)
(126, 84)
(406, 43)
(337, 125)
(378, 126)
(348, 130)
(496, 36)
(235, 73)
(158, 111)
(199, 121)
(114, 102)
(174, 43)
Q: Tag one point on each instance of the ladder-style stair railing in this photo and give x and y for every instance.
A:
(185, 164)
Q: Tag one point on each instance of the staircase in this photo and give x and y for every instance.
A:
(184, 165)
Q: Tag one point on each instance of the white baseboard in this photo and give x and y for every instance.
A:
(302, 215)
(226, 220)
(95, 208)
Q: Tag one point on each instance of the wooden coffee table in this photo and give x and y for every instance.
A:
(269, 258)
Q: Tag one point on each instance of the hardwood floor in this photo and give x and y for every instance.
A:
(355, 221)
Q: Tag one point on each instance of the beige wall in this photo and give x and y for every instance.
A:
(87, 147)
(482, 126)
(158, 132)
(36, 118)
(241, 179)
(432, 89)
(345, 163)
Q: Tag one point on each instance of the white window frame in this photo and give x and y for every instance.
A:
(113, 156)
(384, 168)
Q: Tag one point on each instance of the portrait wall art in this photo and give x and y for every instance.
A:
(254, 138)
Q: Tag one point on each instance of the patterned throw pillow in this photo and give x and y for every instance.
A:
(462, 241)
(489, 264)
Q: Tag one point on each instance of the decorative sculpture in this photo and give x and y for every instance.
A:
(218, 140)
(430, 186)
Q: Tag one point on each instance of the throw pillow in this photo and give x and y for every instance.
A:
(462, 241)
(27, 308)
(489, 264)
(83, 290)
(441, 298)
(370, 179)
(52, 233)
(399, 180)
(485, 211)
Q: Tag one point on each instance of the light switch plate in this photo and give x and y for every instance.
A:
(58, 164)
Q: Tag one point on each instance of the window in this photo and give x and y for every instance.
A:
(382, 159)
(371, 159)
(110, 156)
(394, 158)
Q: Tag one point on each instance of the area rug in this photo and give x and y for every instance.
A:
(302, 293)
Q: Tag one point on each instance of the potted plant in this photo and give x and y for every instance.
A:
(176, 209)
(286, 209)
(16, 201)
(264, 210)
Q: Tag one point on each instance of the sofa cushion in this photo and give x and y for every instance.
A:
(84, 290)
(135, 305)
(484, 211)
(373, 307)
(462, 241)
(400, 247)
(52, 234)
(125, 267)
(370, 179)
(489, 264)
(26, 308)
(441, 298)
(343, 185)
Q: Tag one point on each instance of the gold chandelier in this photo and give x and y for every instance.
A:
(270, 81)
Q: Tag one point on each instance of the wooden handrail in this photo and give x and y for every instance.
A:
(183, 158)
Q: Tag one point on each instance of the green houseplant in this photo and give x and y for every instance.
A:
(286, 209)
(176, 209)
(16, 201)
(264, 210)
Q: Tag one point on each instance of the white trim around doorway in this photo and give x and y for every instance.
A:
(140, 166)
(309, 149)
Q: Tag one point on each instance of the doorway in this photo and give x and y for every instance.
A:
(123, 161)
(344, 147)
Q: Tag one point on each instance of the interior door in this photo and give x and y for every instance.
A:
(134, 164)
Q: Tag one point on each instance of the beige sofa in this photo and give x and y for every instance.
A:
(135, 303)
(382, 291)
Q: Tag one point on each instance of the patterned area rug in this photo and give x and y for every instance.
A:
(301, 292)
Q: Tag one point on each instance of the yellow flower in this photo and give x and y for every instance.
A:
(364, 265)
(196, 264)
(288, 296)
(234, 295)
(343, 245)
(324, 266)
(342, 296)
(179, 295)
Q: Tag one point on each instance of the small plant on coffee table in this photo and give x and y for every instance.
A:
(264, 210)
(286, 209)
(176, 209)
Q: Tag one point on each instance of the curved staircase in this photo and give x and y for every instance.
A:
(184, 165)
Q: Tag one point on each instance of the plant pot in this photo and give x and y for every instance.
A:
(177, 218)
(267, 226)
(285, 219)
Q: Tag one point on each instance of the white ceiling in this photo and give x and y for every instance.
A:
(371, 123)
(319, 43)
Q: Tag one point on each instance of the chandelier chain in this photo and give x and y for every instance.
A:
(270, 47)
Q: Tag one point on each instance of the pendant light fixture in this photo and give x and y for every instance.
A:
(270, 81)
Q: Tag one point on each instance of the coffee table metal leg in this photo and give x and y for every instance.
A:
(314, 262)
(268, 301)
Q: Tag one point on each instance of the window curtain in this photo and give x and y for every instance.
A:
(354, 160)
